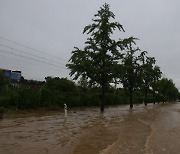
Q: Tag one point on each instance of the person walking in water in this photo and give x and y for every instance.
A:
(65, 110)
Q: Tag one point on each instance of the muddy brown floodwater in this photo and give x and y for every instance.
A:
(154, 129)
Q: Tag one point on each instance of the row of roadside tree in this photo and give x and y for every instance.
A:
(55, 91)
(105, 60)
(108, 71)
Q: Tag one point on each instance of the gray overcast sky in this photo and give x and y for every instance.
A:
(55, 27)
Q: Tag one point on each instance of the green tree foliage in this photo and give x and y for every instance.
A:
(150, 74)
(2, 83)
(27, 98)
(99, 59)
(179, 96)
(30, 83)
(155, 79)
(58, 91)
(130, 75)
(167, 90)
(60, 84)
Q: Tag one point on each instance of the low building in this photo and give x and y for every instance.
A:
(7, 73)
(13, 75)
(16, 75)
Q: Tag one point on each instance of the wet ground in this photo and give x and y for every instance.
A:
(154, 129)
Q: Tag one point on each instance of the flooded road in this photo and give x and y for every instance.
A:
(154, 129)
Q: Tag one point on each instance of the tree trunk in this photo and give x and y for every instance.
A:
(145, 99)
(102, 98)
(154, 101)
(130, 98)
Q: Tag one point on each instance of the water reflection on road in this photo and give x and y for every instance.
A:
(151, 129)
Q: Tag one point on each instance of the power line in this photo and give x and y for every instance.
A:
(31, 48)
(30, 63)
(39, 67)
(12, 48)
(33, 59)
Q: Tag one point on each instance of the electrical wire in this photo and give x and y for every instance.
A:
(31, 63)
(33, 59)
(22, 51)
(31, 48)
(23, 54)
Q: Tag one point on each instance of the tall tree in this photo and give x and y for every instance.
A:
(131, 73)
(147, 73)
(167, 90)
(99, 59)
(156, 75)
